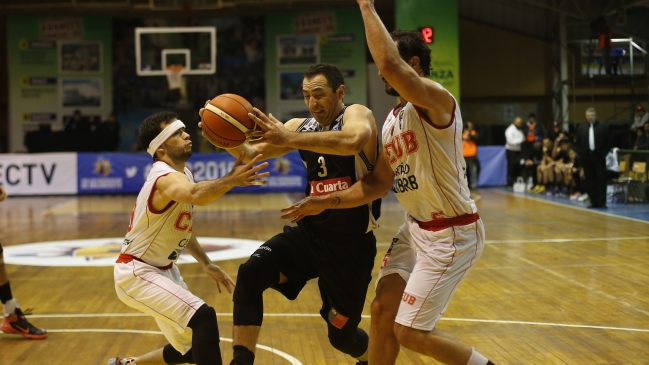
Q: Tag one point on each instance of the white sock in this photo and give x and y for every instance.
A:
(10, 307)
(477, 358)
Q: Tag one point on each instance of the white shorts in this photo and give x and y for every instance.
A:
(433, 264)
(161, 294)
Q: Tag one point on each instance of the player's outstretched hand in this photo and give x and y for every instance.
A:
(3, 194)
(220, 277)
(272, 130)
(247, 174)
(310, 205)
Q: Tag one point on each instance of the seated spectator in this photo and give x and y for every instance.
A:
(545, 169)
(531, 158)
(556, 129)
(470, 151)
(560, 169)
(577, 176)
(642, 140)
(77, 123)
(641, 118)
(109, 133)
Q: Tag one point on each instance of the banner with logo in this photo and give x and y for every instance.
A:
(57, 64)
(438, 22)
(101, 173)
(39, 173)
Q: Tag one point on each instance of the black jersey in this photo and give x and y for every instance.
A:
(330, 173)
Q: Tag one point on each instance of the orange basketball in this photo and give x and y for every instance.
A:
(225, 120)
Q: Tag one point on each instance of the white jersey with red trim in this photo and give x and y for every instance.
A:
(158, 237)
(430, 181)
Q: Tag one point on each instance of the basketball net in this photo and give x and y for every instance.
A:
(175, 76)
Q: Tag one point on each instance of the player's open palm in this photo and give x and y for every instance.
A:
(220, 277)
(248, 174)
(272, 130)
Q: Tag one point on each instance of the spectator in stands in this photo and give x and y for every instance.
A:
(545, 169)
(531, 157)
(77, 123)
(642, 140)
(563, 169)
(556, 129)
(577, 176)
(604, 36)
(532, 129)
(593, 143)
(641, 118)
(109, 132)
(513, 148)
(470, 150)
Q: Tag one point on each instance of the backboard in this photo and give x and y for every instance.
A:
(159, 47)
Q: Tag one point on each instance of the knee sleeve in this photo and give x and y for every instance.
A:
(353, 343)
(172, 357)
(255, 275)
(205, 337)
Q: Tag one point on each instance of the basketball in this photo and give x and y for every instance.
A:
(226, 121)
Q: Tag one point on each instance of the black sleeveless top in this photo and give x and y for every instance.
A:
(329, 173)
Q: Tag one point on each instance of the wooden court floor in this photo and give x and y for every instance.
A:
(555, 285)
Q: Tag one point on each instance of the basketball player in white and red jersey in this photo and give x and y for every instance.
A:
(443, 235)
(146, 277)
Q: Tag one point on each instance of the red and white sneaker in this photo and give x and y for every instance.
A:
(17, 324)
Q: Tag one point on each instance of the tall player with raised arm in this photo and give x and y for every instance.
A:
(161, 226)
(443, 236)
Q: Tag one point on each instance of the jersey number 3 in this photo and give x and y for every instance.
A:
(321, 161)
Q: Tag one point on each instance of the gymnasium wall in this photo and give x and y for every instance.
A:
(56, 66)
(504, 74)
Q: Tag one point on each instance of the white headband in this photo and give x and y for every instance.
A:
(163, 136)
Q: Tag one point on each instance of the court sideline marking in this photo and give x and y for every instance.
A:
(498, 321)
(569, 206)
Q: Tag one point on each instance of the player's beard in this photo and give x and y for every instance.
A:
(389, 89)
(179, 154)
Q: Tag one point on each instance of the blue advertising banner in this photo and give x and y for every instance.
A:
(100, 173)
(493, 166)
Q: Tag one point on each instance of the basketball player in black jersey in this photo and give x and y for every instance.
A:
(339, 145)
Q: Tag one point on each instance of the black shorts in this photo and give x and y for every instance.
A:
(342, 263)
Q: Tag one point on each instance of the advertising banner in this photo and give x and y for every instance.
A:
(39, 173)
(297, 40)
(112, 172)
(57, 65)
(438, 22)
(101, 173)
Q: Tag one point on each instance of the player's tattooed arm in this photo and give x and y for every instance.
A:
(371, 187)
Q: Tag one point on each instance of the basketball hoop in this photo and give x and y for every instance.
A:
(175, 76)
